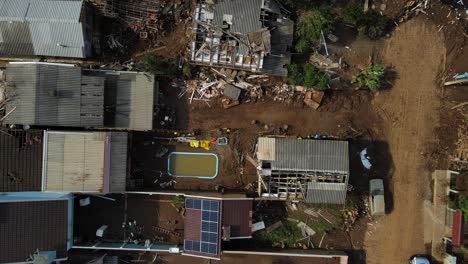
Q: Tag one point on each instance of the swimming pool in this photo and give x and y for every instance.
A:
(193, 164)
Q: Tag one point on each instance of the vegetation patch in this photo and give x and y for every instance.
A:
(370, 77)
(307, 75)
(310, 25)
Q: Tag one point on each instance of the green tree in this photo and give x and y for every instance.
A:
(307, 75)
(370, 77)
(353, 13)
(159, 65)
(463, 205)
(309, 27)
(373, 25)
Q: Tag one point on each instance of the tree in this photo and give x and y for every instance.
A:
(159, 65)
(370, 77)
(353, 13)
(373, 25)
(463, 205)
(309, 27)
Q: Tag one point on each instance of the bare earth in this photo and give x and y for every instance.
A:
(416, 50)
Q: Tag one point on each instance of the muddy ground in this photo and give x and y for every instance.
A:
(411, 125)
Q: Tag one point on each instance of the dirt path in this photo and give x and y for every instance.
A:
(409, 111)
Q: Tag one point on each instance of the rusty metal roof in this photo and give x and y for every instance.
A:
(237, 214)
(29, 226)
(20, 160)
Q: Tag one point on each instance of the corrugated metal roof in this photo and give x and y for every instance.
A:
(457, 228)
(118, 161)
(29, 226)
(266, 149)
(326, 192)
(135, 100)
(76, 161)
(311, 155)
(54, 95)
(20, 160)
(245, 17)
(129, 97)
(41, 27)
(237, 214)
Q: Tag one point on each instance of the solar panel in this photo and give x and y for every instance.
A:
(212, 248)
(193, 204)
(209, 233)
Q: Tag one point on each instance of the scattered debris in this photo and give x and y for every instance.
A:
(274, 226)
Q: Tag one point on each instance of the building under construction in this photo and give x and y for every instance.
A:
(251, 35)
(316, 171)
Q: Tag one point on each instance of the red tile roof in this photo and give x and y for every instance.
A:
(192, 224)
(238, 215)
(29, 226)
(457, 228)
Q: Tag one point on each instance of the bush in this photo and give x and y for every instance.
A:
(307, 75)
(158, 65)
(373, 25)
(309, 27)
(353, 13)
(370, 77)
(463, 205)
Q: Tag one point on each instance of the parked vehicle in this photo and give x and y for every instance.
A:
(376, 197)
(418, 259)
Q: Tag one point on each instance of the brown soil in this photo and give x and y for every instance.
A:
(409, 115)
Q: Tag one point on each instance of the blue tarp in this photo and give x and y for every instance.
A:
(365, 159)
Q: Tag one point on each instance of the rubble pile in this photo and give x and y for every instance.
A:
(232, 85)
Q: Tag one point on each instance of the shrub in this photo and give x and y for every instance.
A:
(370, 77)
(353, 13)
(309, 27)
(373, 25)
(307, 75)
(463, 205)
(158, 65)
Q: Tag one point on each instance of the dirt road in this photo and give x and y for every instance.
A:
(409, 113)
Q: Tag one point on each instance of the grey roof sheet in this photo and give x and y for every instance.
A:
(42, 28)
(326, 193)
(132, 97)
(53, 95)
(245, 17)
(118, 162)
(311, 155)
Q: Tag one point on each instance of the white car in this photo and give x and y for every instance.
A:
(419, 260)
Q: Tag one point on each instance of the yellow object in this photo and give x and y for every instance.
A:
(205, 144)
(194, 143)
(176, 133)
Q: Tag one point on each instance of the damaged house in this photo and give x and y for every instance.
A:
(250, 35)
(62, 95)
(316, 171)
(59, 28)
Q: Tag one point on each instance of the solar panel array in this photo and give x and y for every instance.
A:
(209, 226)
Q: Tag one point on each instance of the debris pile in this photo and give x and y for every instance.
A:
(350, 216)
(234, 86)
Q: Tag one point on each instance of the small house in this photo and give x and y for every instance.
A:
(58, 28)
(316, 171)
(88, 162)
(35, 227)
(62, 95)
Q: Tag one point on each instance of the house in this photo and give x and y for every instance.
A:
(209, 221)
(62, 95)
(35, 227)
(316, 171)
(88, 162)
(249, 35)
(59, 28)
(20, 160)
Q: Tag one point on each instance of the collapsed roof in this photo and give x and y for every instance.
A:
(251, 35)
